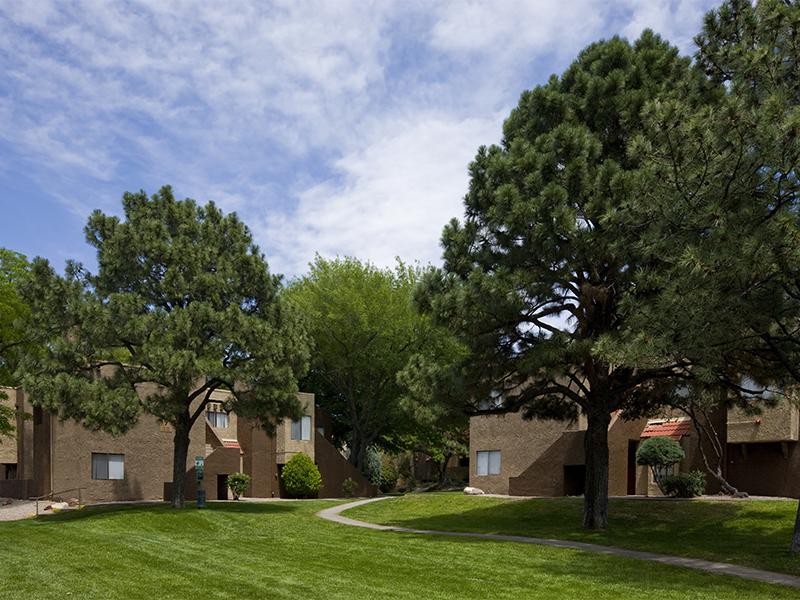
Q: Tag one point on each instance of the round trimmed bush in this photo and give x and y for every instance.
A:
(301, 477)
(659, 451)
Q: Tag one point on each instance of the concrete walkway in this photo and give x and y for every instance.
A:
(334, 514)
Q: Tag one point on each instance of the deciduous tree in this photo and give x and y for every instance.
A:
(365, 329)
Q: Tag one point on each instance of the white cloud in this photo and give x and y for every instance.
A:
(343, 127)
(393, 198)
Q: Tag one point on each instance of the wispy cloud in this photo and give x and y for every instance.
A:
(338, 127)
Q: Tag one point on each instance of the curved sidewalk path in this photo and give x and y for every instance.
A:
(334, 514)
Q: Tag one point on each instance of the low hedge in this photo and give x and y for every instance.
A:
(685, 485)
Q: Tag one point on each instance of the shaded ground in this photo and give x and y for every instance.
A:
(281, 550)
(753, 533)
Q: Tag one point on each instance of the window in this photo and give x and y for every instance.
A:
(108, 466)
(217, 418)
(301, 430)
(489, 463)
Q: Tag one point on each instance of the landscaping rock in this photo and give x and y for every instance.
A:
(473, 491)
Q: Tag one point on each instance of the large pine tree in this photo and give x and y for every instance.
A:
(535, 276)
(182, 300)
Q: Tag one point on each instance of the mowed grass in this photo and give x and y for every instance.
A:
(753, 533)
(282, 550)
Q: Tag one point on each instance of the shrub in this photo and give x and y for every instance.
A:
(372, 465)
(685, 485)
(349, 487)
(389, 476)
(238, 483)
(301, 477)
(659, 453)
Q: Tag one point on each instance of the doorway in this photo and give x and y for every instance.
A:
(574, 480)
(222, 487)
(632, 446)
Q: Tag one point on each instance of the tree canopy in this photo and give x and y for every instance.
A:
(15, 341)
(718, 203)
(365, 330)
(182, 300)
(537, 275)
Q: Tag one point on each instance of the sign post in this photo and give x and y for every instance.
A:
(199, 469)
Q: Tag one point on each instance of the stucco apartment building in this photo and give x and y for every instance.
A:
(511, 455)
(60, 457)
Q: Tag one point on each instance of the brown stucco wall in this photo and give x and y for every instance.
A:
(335, 469)
(258, 460)
(534, 454)
(765, 469)
(147, 448)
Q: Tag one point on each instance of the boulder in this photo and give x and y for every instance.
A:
(473, 491)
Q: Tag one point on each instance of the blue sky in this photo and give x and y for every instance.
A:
(333, 127)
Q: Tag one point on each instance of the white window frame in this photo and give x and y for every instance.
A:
(215, 416)
(106, 466)
(488, 462)
(301, 430)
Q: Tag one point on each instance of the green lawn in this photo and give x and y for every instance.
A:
(281, 550)
(755, 533)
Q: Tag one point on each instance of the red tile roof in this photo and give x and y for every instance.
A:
(230, 444)
(673, 429)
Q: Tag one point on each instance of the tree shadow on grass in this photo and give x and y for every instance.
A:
(727, 531)
(602, 572)
(163, 508)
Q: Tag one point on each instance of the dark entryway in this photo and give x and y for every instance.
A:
(632, 446)
(574, 480)
(222, 487)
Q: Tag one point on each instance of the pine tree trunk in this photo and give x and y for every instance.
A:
(357, 452)
(595, 507)
(795, 547)
(443, 470)
(179, 454)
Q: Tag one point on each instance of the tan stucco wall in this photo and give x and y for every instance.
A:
(8, 445)
(285, 446)
(218, 401)
(536, 449)
(779, 424)
(534, 454)
(147, 448)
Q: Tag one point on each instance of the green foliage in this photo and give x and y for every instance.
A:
(182, 300)
(748, 533)
(536, 276)
(301, 477)
(15, 339)
(685, 485)
(659, 451)
(388, 478)
(372, 465)
(365, 329)
(238, 483)
(349, 487)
